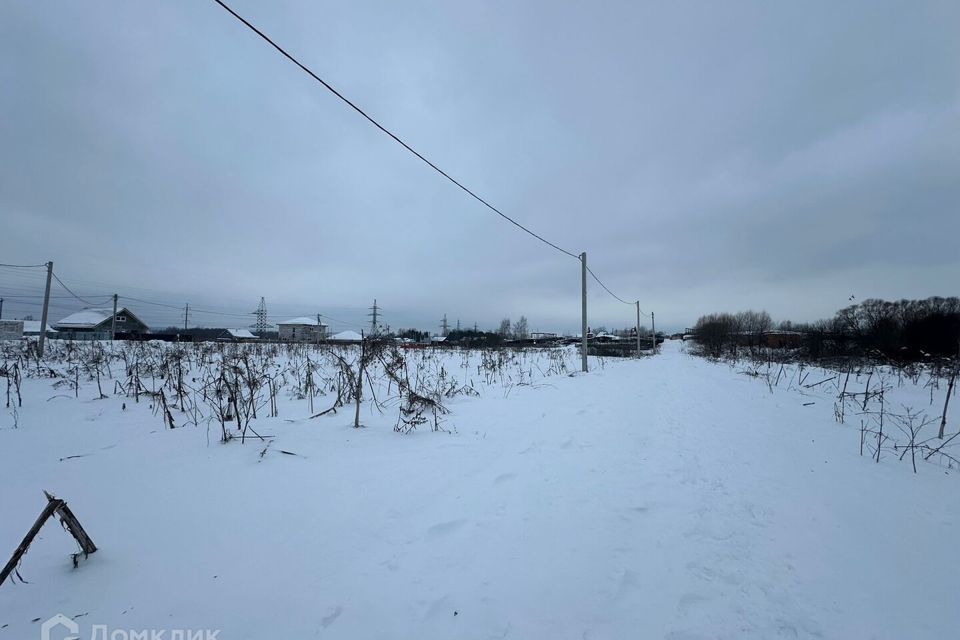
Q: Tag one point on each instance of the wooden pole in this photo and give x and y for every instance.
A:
(359, 389)
(46, 306)
(113, 322)
(653, 328)
(58, 506)
(27, 539)
(638, 328)
(73, 525)
(583, 311)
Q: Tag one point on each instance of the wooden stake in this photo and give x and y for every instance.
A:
(58, 506)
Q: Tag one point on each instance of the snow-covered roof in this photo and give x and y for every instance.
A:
(241, 333)
(438, 338)
(302, 320)
(33, 326)
(86, 319)
(346, 336)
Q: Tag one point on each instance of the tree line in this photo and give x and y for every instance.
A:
(903, 330)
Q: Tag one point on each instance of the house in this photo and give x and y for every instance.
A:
(96, 324)
(208, 334)
(346, 336)
(782, 339)
(32, 328)
(242, 335)
(11, 329)
(303, 330)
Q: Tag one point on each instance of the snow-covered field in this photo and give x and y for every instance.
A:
(667, 497)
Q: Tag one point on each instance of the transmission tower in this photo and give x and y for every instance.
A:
(261, 326)
(445, 326)
(374, 314)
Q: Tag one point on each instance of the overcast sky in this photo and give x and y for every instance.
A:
(708, 156)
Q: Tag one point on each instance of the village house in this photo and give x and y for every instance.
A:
(97, 324)
(303, 330)
(209, 334)
(11, 329)
(32, 328)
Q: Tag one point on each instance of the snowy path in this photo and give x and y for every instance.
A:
(666, 498)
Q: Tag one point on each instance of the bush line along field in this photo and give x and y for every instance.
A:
(889, 367)
(227, 387)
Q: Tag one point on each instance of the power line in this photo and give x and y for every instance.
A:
(157, 304)
(55, 277)
(344, 322)
(390, 133)
(24, 266)
(406, 146)
(38, 296)
(600, 282)
(607, 289)
(192, 310)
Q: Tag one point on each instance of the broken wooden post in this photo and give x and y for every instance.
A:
(58, 506)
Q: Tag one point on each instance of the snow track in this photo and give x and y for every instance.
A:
(665, 498)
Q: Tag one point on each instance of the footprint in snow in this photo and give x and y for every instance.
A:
(446, 528)
(329, 619)
(504, 477)
(629, 583)
(534, 447)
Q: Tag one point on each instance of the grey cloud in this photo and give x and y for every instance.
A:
(707, 156)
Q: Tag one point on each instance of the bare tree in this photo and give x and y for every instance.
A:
(520, 331)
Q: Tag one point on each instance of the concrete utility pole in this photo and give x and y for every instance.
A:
(320, 324)
(583, 319)
(186, 315)
(1, 308)
(638, 328)
(653, 328)
(113, 322)
(46, 306)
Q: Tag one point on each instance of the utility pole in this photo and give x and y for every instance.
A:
(374, 314)
(583, 319)
(186, 315)
(638, 329)
(653, 328)
(320, 325)
(1, 308)
(113, 321)
(46, 306)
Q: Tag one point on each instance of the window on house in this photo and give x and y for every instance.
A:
(121, 318)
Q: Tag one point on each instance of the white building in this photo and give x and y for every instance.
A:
(303, 330)
(346, 336)
(11, 329)
(32, 328)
